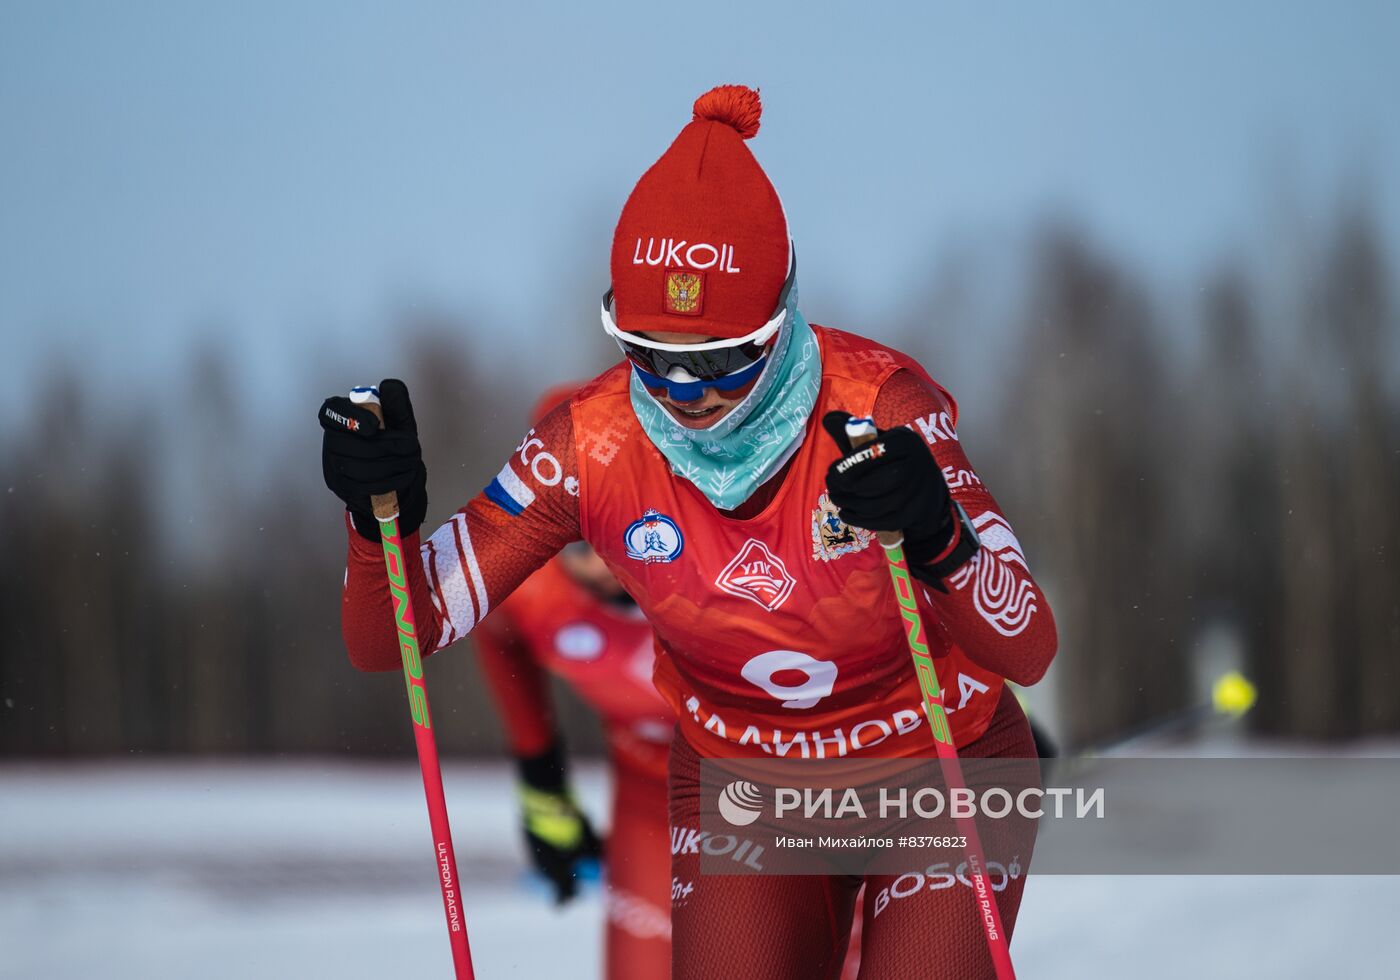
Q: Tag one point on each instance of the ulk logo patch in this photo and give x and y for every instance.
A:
(654, 538)
(758, 575)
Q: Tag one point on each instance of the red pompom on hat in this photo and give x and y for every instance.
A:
(737, 106)
(702, 246)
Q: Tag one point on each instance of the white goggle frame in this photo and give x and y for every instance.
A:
(762, 335)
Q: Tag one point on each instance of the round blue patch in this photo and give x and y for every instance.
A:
(654, 538)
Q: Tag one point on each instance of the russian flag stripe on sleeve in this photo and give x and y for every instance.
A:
(508, 492)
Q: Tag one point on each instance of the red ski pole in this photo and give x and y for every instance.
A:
(861, 431)
(386, 511)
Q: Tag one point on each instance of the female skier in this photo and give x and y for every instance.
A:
(698, 470)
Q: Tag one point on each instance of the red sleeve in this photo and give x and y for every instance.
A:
(519, 684)
(993, 607)
(520, 521)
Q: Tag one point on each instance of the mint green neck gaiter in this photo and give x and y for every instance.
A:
(732, 458)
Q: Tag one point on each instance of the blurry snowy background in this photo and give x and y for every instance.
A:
(1151, 249)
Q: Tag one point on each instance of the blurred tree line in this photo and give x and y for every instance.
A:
(1225, 464)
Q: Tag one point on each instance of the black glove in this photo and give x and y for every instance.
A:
(898, 487)
(359, 459)
(557, 833)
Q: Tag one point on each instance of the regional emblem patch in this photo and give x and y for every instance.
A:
(833, 537)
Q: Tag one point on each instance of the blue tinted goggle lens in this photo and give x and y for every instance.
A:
(703, 365)
(689, 391)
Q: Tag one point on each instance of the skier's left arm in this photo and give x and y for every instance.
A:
(957, 540)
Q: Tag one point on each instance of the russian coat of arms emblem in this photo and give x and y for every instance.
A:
(683, 292)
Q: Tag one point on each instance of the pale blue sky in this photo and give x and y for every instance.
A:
(293, 174)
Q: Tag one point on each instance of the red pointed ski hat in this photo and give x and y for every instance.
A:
(702, 245)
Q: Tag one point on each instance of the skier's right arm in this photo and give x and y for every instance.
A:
(473, 561)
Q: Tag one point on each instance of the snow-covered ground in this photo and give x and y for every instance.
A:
(302, 869)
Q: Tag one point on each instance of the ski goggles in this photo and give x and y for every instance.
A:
(685, 370)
